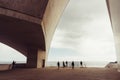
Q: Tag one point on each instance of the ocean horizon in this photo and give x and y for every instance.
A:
(10, 62)
(77, 63)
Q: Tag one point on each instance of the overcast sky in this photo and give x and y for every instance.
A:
(84, 33)
(8, 54)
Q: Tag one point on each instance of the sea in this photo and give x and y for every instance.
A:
(10, 62)
(76, 63)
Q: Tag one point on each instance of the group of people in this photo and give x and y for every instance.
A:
(65, 64)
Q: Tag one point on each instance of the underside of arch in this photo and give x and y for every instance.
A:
(21, 34)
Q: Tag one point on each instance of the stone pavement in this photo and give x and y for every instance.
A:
(62, 74)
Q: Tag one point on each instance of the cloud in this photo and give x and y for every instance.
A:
(85, 28)
(9, 54)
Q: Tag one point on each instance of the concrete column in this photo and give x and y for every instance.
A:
(35, 58)
(32, 58)
(41, 58)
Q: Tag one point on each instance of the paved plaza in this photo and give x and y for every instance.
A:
(62, 74)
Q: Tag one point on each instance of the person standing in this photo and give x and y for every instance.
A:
(63, 64)
(58, 64)
(66, 64)
(13, 64)
(81, 63)
(72, 64)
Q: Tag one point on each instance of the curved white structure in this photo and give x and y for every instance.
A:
(114, 12)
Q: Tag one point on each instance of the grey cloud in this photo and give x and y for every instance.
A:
(82, 21)
(83, 12)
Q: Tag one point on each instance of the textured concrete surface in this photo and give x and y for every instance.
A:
(114, 13)
(62, 74)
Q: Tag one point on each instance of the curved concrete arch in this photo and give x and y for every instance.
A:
(11, 44)
(51, 18)
(28, 26)
(114, 12)
(21, 33)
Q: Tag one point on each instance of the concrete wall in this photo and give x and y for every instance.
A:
(51, 18)
(40, 57)
(5, 67)
(114, 11)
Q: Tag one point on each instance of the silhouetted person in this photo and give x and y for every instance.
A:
(72, 64)
(58, 64)
(13, 64)
(63, 64)
(81, 63)
(66, 64)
